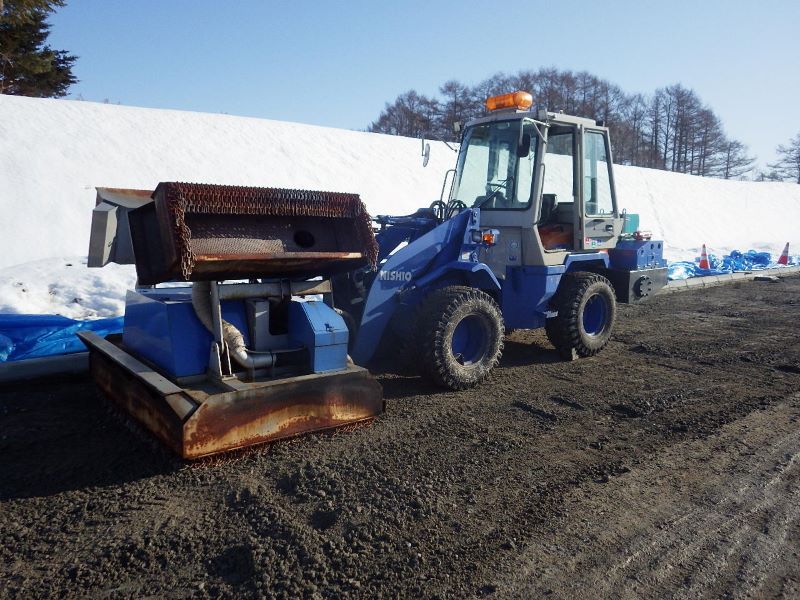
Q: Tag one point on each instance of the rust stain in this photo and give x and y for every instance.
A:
(231, 420)
(265, 414)
(288, 257)
(130, 192)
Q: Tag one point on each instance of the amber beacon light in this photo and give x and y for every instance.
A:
(518, 100)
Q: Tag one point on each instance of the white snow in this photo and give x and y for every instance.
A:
(687, 212)
(65, 286)
(53, 153)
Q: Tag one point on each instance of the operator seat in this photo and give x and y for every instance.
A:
(554, 235)
(548, 206)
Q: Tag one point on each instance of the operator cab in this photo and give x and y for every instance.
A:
(544, 181)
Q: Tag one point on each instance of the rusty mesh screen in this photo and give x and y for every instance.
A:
(186, 215)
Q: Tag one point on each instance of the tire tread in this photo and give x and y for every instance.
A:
(563, 331)
(434, 314)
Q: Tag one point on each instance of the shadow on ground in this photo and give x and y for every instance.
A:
(525, 352)
(60, 436)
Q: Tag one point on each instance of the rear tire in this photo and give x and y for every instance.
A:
(352, 328)
(460, 336)
(587, 310)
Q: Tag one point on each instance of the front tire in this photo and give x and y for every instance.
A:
(460, 334)
(587, 310)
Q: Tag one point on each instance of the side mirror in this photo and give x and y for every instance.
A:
(426, 154)
(524, 147)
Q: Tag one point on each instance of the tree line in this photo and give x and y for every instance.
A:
(670, 129)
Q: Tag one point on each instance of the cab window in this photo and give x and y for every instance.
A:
(597, 199)
(559, 183)
(491, 175)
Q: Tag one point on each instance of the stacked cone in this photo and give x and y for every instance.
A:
(704, 264)
(784, 259)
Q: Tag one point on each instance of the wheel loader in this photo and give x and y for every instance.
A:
(258, 310)
(530, 236)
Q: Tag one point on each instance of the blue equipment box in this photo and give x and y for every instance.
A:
(322, 330)
(634, 255)
(161, 326)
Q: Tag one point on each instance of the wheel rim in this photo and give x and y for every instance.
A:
(470, 340)
(595, 315)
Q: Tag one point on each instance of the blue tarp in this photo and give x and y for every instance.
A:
(735, 261)
(35, 336)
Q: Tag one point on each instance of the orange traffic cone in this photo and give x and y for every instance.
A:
(704, 259)
(784, 259)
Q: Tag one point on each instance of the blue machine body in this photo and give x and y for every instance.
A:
(438, 255)
(320, 329)
(635, 255)
(161, 326)
(527, 288)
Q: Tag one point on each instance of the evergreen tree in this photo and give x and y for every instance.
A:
(788, 164)
(28, 66)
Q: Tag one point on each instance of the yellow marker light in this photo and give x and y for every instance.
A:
(488, 238)
(519, 100)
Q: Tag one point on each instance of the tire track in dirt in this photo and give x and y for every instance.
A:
(720, 529)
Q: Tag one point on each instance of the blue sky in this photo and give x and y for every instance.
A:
(337, 63)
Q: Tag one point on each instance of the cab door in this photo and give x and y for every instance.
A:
(598, 212)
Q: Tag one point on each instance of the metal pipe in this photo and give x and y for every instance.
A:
(216, 312)
(275, 289)
(209, 312)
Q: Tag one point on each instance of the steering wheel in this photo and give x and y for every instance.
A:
(498, 193)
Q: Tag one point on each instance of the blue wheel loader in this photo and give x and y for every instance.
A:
(530, 236)
(257, 310)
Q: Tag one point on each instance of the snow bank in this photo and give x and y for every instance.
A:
(53, 153)
(687, 212)
(65, 286)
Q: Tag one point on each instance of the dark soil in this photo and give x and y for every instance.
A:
(668, 465)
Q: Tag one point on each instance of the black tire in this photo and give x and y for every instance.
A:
(352, 328)
(460, 336)
(402, 345)
(576, 332)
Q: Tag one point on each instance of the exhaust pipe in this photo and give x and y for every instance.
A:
(231, 336)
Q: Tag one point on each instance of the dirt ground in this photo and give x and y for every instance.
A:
(667, 466)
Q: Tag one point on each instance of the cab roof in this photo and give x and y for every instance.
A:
(554, 118)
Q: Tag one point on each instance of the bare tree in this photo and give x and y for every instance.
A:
(457, 106)
(410, 115)
(735, 160)
(672, 129)
(788, 164)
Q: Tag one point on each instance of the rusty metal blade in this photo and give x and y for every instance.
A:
(202, 419)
